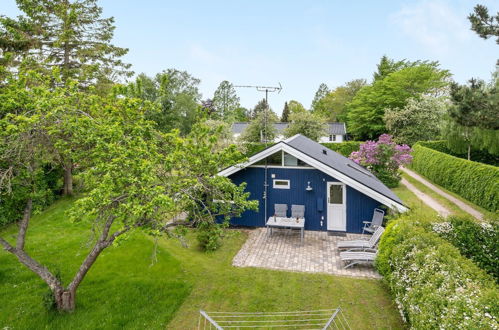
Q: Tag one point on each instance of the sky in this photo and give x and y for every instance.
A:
(299, 44)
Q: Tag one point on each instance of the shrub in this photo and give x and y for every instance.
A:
(480, 156)
(477, 241)
(383, 158)
(476, 182)
(433, 285)
(209, 235)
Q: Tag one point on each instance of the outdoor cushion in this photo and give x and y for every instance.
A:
(280, 210)
(298, 211)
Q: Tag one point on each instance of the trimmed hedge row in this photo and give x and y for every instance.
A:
(476, 155)
(476, 182)
(478, 241)
(344, 148)
(433, 285)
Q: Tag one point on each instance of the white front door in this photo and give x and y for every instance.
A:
(336, 206)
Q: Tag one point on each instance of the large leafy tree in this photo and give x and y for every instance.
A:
(306, 123)
(367, 108)
(334, 105)
(176, 96)
(296, 107)
(134, 177)
(68, 34)
(419, 120)
(319, 95)
(387, 65)
(225, 102)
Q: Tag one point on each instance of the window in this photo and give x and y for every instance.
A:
(281, 184)
(334, 138)
(336, 194)
(290, 160)
(274, 159)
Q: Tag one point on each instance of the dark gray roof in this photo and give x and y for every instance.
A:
(333, 128)
(340, 164)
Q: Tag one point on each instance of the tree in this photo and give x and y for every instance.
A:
(285, 113)
(70, 35)
(383, 158)
(241, 114)
(260, 128)
(295, 107)
(134, 177)
(319, 95)
(419, 120)
(260, 107)
(483, 24)
(307, 124)
(176, 96)
(225, 102)
(387, 66)
(473, 120)
(366, 110)
(334, 105)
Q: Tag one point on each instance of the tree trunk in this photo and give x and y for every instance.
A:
(68, 179)
(65, 300)
(469, 151)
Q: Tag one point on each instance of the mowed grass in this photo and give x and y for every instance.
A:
(124, 290)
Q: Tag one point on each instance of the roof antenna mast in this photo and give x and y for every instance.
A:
(267, 90)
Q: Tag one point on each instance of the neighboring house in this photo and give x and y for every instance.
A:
(336, 132)
(338, 194)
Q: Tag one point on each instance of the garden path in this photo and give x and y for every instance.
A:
(428, 200)
(463, 206)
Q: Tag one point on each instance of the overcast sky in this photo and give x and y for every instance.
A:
(299, 44)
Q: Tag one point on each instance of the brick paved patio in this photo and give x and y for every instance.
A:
(284, 251)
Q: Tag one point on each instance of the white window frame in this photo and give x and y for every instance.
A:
(288, 186)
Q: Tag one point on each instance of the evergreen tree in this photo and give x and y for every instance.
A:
(483, 24)
(285, 113)
(225, 102)
(259, 108)
(319, 95)
(69, 35)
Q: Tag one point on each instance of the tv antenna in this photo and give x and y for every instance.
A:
(267, 90)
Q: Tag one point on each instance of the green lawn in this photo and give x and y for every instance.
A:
(124, 290)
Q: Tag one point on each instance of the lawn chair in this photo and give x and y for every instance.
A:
(351, 258)
(362, 243)
(280, 210)
(297, 211)
(377, 221)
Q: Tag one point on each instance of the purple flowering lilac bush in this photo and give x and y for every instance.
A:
(383, 158)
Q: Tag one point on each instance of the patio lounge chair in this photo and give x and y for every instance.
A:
(377, 221)
(280, 210)
(362, 243)
(351, 258)
(297, 211)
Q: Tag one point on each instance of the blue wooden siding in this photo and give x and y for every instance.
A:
(359, 206)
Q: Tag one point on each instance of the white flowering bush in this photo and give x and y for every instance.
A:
(433, 285)
(478, 241)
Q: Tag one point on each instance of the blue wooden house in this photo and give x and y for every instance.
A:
(338, 194)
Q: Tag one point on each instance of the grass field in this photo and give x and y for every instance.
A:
(125, 290)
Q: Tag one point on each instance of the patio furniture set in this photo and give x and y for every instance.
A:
(356, 251)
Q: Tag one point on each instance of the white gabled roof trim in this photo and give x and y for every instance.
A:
(318, 165)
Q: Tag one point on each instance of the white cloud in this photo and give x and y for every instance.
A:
(433, 24)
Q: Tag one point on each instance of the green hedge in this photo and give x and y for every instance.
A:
(478, 241)
(475, 155)
(344, 148)
(476, 182)
(433, 285)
